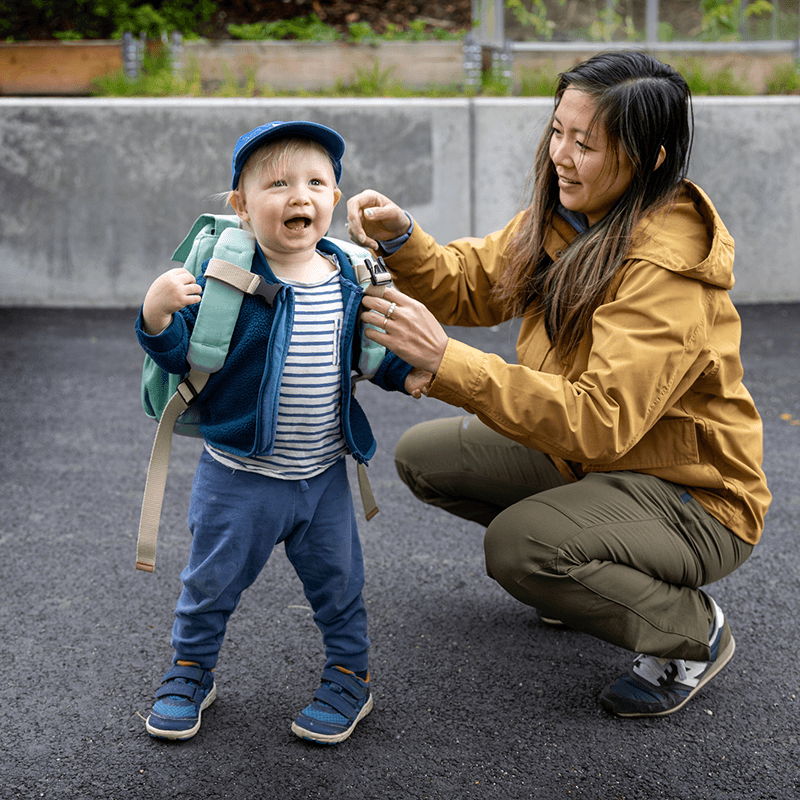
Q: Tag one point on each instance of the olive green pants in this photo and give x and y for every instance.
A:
(619, 555)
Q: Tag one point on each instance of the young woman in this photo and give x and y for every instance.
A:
(617, 465)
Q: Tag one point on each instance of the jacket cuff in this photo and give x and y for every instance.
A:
(162, 342)
(460, 363)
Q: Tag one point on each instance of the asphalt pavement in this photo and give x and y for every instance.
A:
(474, 696)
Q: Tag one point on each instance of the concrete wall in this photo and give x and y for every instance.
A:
(96, 194)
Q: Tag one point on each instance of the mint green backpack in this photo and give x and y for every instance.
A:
(168, 398)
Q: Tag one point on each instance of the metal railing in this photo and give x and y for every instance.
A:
(489, 17)
(489, 32)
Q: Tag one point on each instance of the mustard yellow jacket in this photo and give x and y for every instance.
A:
(655, 385)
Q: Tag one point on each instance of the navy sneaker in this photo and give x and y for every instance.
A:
(659, 686)
(341, 702)
(184, 694)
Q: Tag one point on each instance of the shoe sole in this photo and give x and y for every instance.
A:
(721, 661)
(174, 736)
(553, 622)
(333, 738)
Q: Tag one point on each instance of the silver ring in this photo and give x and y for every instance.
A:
(389, 313)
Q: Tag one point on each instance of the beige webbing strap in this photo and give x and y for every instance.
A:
(246, 282)
(159, 466)
(241, 279)
(367, 497)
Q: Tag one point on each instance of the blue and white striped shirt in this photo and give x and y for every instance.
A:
(308, 436)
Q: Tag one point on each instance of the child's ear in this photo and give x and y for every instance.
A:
(337, 196)
(237, 200)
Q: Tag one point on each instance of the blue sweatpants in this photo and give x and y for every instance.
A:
(236, 519)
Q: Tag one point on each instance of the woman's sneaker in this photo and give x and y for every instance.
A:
(341, 702)
(659, 686)
(184, 694)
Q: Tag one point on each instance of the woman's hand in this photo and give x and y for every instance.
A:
(409, 330)
(168, 293)
(373, 217)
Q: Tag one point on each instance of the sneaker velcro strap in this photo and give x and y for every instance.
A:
(350, 685)
(186, 690)
(172, 685)
(187, 673)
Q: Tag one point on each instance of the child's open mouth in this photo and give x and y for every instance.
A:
(297, 223)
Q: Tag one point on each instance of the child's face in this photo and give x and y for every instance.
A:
(289, 202)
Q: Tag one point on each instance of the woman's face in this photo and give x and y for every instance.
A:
(591, 178)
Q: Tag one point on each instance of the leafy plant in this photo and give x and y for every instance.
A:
(538, 83)
(610, 23)
(69, 20)
(535, 18)
(785, 80)
(184, 16)
(310, 28)
(155, 80)
(723, 19)
(372, 82)
(360, 32)
(703, 82)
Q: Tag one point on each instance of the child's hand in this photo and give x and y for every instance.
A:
(417, 382)
(168, 293)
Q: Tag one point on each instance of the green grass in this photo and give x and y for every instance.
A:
(703, 81)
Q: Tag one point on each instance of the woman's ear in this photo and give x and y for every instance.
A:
(662, 154)
(237, 200)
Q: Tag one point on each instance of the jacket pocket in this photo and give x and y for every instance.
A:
(669, 443)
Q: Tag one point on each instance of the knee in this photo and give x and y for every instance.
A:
(415, 458)
(407, 455)
(519, 552)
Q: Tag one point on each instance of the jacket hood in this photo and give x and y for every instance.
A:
(689, 238)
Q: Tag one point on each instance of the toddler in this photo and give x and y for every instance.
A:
(277, 421)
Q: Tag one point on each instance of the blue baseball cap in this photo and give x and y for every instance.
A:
(327, 137)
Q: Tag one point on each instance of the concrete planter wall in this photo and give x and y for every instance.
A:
(96, 194)
(315, 66)
(68, 68)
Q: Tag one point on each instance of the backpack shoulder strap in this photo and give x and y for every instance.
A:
(371, 273)
(219, 309)
(222, 300)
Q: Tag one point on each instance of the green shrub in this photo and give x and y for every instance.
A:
(538, 83)
(704, 82)
(310, 28)
(785, 80)
(68, 20)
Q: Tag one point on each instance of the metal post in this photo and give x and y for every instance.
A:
(176, 53)
(130, 56)
(651, 20)
(472, 54)
(141, 49)
(774, 26)
(502, 65)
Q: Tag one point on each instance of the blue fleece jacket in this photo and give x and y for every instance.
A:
(238, 407)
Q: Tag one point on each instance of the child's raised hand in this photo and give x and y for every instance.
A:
(373, 217)
(168, 293)
(417, 382)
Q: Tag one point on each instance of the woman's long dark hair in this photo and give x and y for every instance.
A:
(643, 105)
